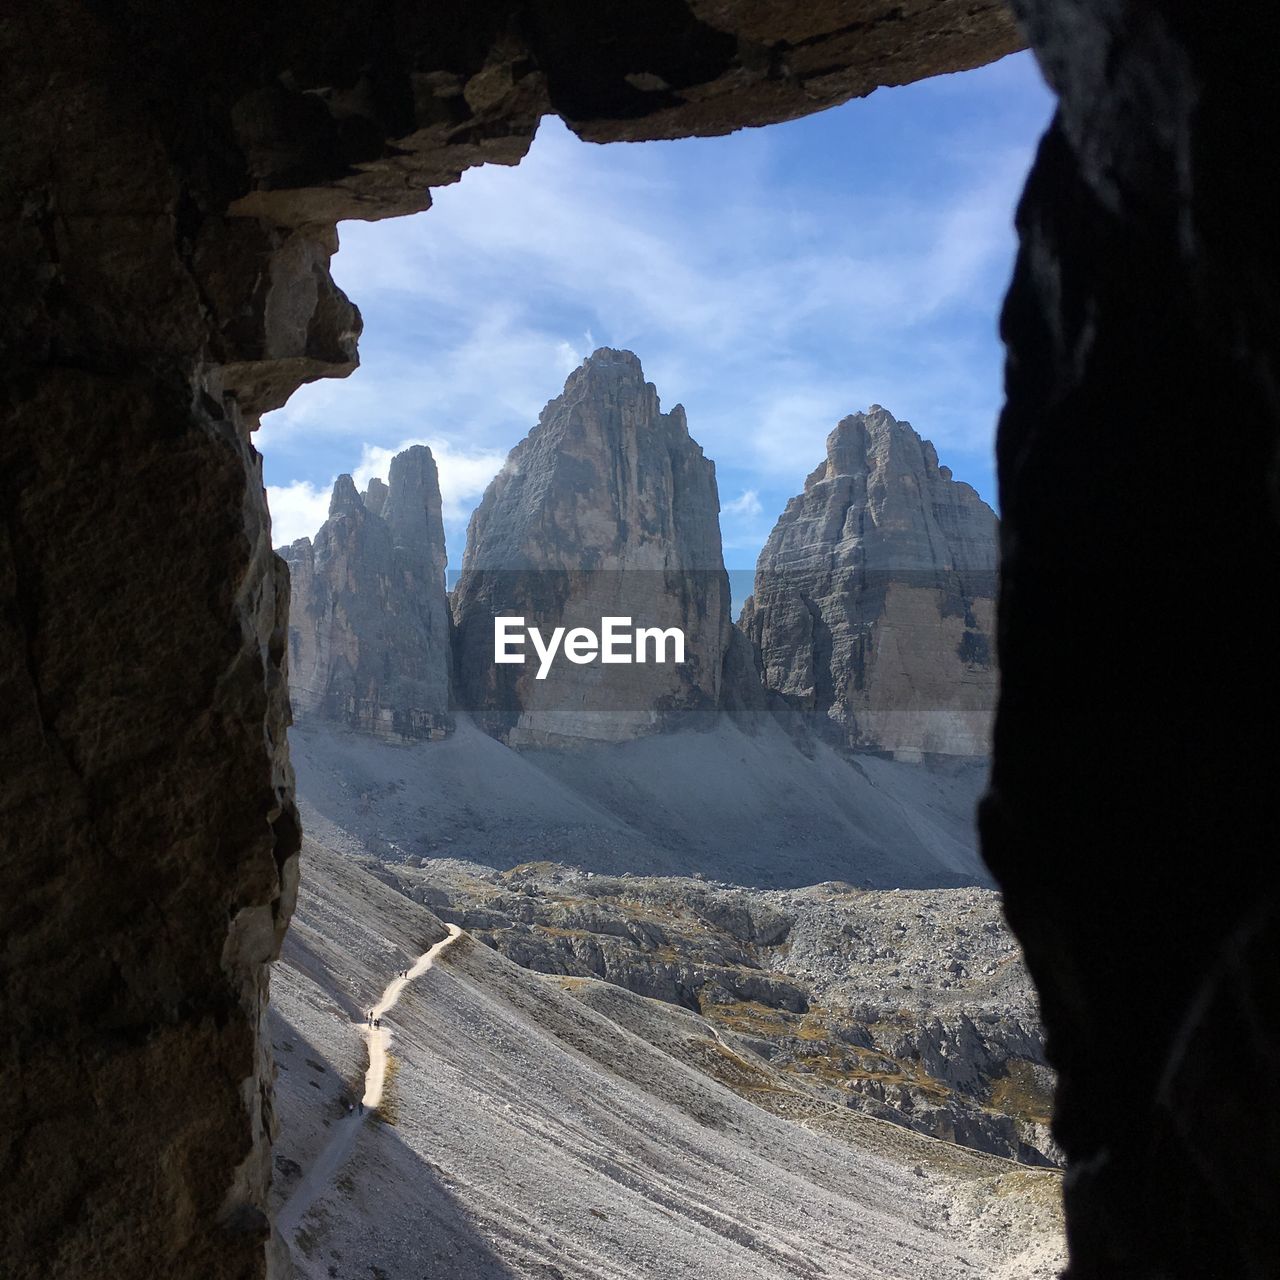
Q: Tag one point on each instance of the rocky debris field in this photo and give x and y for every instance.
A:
(909, 1005)
(553, 1127)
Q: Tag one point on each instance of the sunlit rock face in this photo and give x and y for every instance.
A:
(369, 622)
(608, 508)
(874, 597)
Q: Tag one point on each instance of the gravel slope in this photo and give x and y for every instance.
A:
(749, 807)
(530, 1134)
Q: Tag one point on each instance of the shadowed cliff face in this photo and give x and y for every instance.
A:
(874, 599)
(1132, 816)
(608, 508)
(369, 622)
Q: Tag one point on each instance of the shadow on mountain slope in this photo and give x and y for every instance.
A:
(745, 807)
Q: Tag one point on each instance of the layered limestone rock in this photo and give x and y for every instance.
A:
(608, 508)
(369, 620)
(874, 597)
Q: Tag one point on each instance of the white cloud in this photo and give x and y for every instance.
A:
(297, 510)
(464, 475)
(767, 295)
(746, 505)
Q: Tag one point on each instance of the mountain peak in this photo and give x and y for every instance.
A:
(610, 485)
(413, 509)
(345, 497)
(613, 357)
(607, 366)
(368, 618)
(873, 606)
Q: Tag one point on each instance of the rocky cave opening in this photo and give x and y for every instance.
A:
(171, 186)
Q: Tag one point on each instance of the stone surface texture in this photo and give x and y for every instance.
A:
(368, 616)
(911, 1006)
(172, 178)
(608, 508)
(1132, 818)
(874, 601)
(560, 1127)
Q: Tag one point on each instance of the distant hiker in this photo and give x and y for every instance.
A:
(362, 1106)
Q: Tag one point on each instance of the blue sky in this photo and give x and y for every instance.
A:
(771, 282)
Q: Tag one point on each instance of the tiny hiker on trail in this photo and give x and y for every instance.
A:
(344, 1137)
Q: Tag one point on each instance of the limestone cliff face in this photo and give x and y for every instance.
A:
(608, 508)
(369, 620)
(872, 613)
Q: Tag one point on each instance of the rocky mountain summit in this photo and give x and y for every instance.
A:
(873, 607)
(608, 508)
(368, 617)
(870, 622)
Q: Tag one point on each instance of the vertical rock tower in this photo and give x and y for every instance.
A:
(608, 508)
(368, 618)
(874, 599)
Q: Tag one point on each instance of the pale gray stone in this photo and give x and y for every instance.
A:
(873, 609)
(369, 619)
(607, 508)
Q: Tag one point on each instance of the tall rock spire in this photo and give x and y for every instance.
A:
(369, 619)
(874, 599)
(607, 508)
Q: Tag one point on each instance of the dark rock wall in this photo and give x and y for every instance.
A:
(1132, 812)
(170, 176)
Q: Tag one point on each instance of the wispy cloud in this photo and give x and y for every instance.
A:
(747, 503)
(297, 510)
(772, 282)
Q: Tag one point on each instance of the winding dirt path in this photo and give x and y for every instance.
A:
(379, 1038)
(343, 1138)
